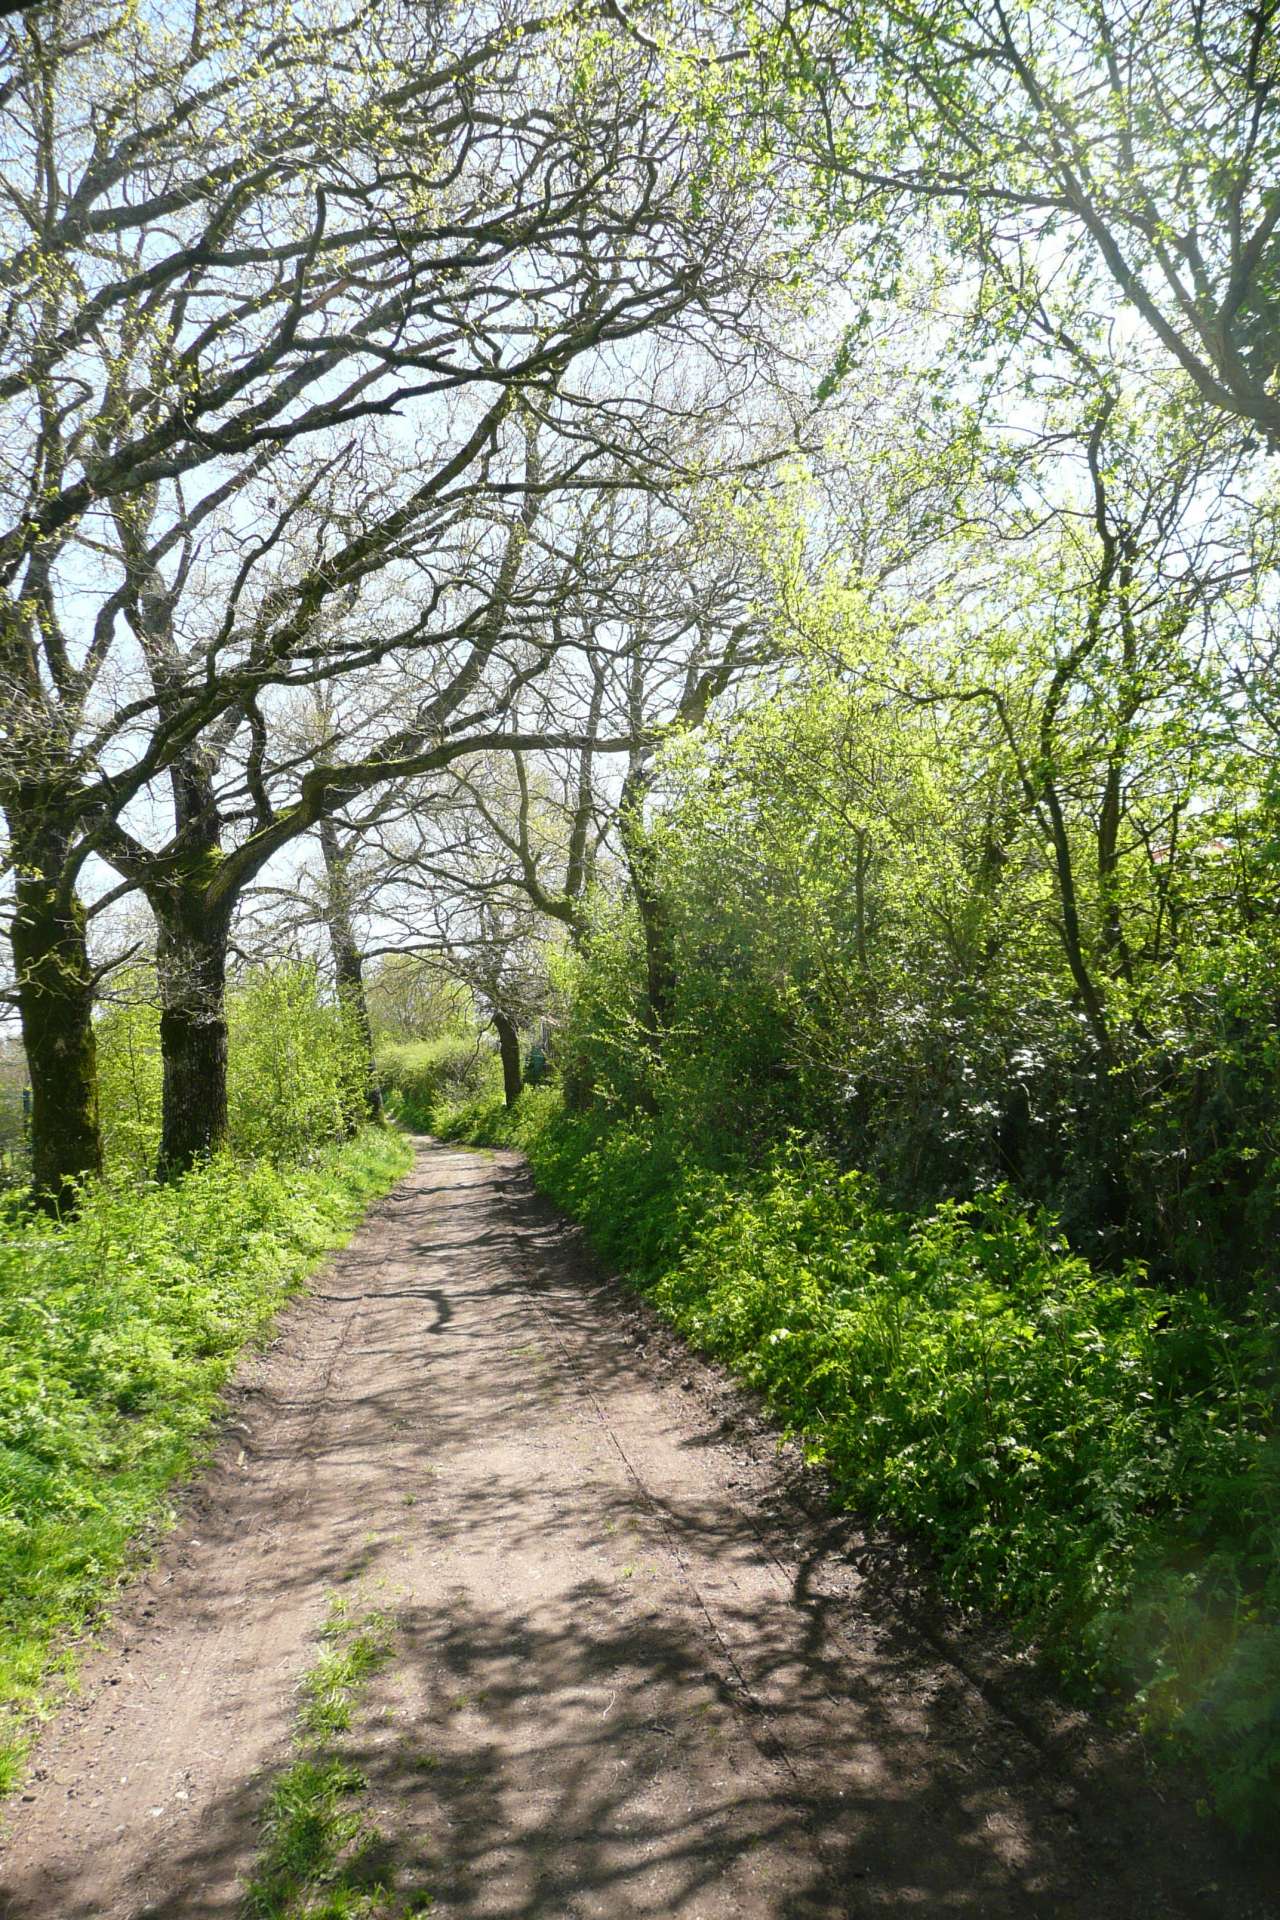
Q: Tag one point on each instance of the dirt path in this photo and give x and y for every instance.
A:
(634, 1677)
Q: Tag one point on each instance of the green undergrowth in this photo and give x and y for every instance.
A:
(1092, 1457)
(323, 1857)
(118, 1330)
(420, 1076)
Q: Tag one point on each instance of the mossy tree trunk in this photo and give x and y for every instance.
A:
(55, 1002)
(191, 959)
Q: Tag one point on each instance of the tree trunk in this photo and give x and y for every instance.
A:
(191, 957)
(509, 1048)
(660, 972)
(348, 964)
(55, 1002)
(349, 968)
(659, 960)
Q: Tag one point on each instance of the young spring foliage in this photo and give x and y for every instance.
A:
(295, 1072)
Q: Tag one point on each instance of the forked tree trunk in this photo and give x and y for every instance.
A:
(55, 1003)
(509, 1048)
(191, 957)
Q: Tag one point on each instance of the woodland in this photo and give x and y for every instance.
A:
(688, 586)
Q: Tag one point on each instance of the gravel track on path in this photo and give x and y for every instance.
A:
(639, 1669)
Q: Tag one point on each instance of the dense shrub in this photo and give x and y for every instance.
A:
(296, 1068)
(420, 1076)
(862, 934)
(117, 1330)
(130, 1077)
(295, 1071)
(1090, 1456)
(14, 1163)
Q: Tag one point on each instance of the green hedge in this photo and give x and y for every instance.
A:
(1094, 1458)
(117, 1331)
(420, 1077)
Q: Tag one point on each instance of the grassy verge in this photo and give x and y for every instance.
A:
(1093, 1457)
(323, 1858)
(117, 1332)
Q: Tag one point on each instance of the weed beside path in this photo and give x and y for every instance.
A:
(118, 1331)
(323, 1857)
(1090, 1457)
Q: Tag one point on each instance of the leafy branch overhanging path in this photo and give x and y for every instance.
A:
(632, 1675)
